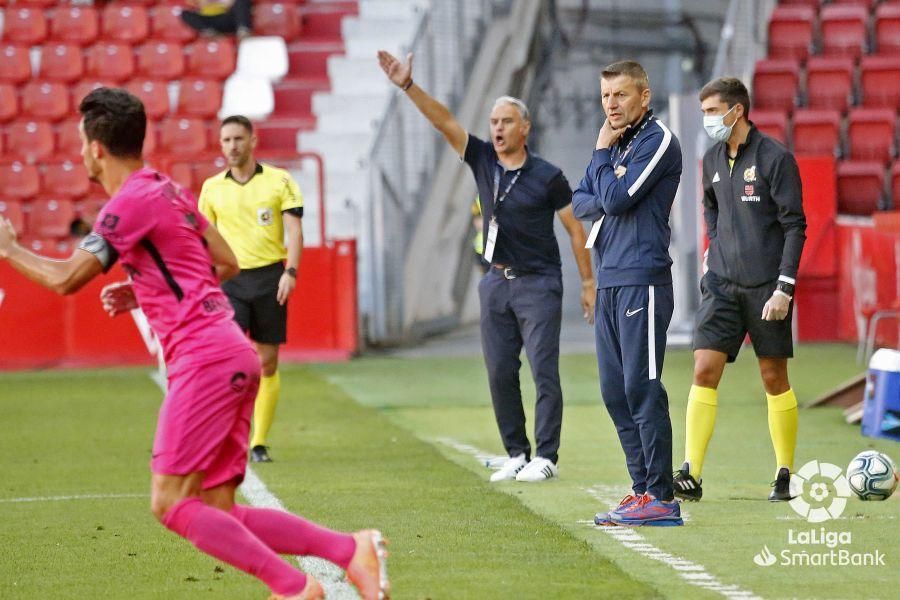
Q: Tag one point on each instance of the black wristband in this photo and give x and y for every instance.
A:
(408, 85)
(291, 271)
(787, 288)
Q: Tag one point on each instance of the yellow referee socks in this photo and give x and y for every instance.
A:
(783, 427)
(701, 420)
(264, 411)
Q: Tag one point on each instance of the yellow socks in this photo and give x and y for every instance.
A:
(783, 427)
(701, 419)
(264, 411)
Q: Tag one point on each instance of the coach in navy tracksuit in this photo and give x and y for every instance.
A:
(628, 191)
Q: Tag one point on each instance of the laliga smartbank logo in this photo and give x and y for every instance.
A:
(820, 493)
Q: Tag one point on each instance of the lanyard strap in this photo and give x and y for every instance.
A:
(621, 158)
(498, 200)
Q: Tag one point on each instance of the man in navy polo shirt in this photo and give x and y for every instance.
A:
(521, 295)
(628, 191)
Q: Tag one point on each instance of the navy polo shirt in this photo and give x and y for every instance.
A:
(526, 239)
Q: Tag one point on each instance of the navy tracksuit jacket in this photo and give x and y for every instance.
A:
(628, 192)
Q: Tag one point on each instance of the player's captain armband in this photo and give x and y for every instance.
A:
(297, 211)
(101, 249)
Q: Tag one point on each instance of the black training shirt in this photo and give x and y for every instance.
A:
(526, 239)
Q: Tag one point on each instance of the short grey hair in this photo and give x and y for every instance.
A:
(520, 106)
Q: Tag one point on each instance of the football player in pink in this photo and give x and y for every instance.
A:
(175, 260)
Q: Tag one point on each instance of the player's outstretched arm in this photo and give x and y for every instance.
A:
(223, 259)
(400, 74)
(62, 276)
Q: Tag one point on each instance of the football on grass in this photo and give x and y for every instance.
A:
(872, 475)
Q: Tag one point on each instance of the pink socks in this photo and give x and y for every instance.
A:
(286, 533)
(224, 537)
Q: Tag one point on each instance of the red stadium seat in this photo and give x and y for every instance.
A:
(182, 173)
(829, 82)
(199, 98)
(9, 102)
(775, 84)
(166, 24)
(125, 23)
(183, 138)
(20, 180)
(322, 21)
(61, 62)
(871, 134)
(38, 3)
(81, 89)
(279, 18)
(89, 208)
(51, 218)
(160, 60)
(880, 81)
(887, 29)
(75, 25)
(68, 140)
(813, 4)
(816, 131)
(204, 169)
(67, 179)
(791, 32)
(45, 100)
(15, 64)
(24, 26)
(29, 141)
(154, 94)
(844, 30)
(110, 61)
(895, 185)
(12, 210)
(867, 4)
(211, 59)
(771, 122)
(860, 187)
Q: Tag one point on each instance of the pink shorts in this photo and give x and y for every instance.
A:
(204, 422)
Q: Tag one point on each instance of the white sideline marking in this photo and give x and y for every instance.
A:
(257, 494)
(72, 497)
(693, 573)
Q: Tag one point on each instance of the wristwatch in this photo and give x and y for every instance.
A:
(785, 288)
(291, 271)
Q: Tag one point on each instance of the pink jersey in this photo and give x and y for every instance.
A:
(155, 228)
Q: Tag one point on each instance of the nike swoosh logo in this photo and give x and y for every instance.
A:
(631, 313)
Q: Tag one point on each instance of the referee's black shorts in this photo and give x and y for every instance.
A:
(253, 294)
(728, 312)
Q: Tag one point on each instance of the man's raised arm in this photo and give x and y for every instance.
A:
(400, 75)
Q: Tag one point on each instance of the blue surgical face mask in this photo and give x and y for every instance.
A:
(716, 128)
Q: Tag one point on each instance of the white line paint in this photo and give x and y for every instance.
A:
(72, 497)
(691, 572)
(257, 494)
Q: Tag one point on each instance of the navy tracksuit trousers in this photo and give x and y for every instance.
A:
(630, 326)
(526, 310)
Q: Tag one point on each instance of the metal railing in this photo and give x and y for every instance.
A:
(405, 151)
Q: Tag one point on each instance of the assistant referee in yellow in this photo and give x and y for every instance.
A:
(258, 209)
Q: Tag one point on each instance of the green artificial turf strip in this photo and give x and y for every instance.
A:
(345, 465)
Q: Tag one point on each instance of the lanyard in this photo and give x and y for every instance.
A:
(498, 200)
(621, 158)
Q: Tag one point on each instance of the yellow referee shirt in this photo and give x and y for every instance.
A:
(249, 216)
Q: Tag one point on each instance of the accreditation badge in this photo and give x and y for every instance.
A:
(493, 230)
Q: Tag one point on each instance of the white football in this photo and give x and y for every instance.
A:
(872, 475)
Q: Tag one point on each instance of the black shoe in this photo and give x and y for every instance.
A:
(781, 491)
(260, 454)
(686, 487)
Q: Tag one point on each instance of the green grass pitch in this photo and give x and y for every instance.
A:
(371, 443)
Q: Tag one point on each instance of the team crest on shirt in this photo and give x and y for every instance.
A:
(264, 216)
(750, 174)
(109, 222)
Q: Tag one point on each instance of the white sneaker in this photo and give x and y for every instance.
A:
(509, 469)
(539, 469)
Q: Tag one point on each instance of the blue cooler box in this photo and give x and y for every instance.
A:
(881, 412)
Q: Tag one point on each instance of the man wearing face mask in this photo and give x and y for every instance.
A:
(752, 205)
(627, 192)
